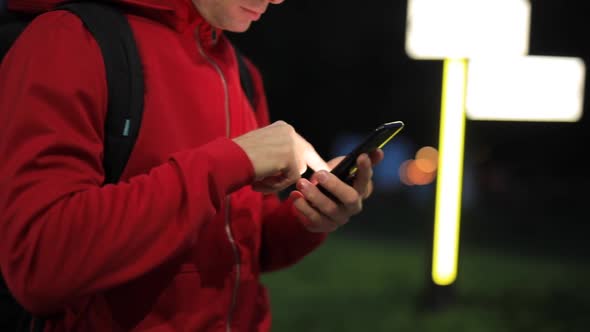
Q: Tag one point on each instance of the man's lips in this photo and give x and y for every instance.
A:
(255, 15)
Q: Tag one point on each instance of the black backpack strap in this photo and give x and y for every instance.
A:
(124, 75)
(125, 84)
(246, 78)
(125, 81)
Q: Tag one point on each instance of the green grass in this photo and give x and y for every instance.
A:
(375, 285)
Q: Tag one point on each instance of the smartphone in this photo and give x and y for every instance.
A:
(346, 169)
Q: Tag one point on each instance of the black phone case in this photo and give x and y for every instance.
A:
(346, 169)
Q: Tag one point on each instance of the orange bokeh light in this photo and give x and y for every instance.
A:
(417, 176)
(427, 159)
(403, 173)
(411, 174)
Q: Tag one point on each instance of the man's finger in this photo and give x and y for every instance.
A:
(309, 216)
(332, 163)
(363, 175)
(313, 159)
(376, 156)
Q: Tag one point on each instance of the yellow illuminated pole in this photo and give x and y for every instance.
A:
(450, 172)
(455, 31)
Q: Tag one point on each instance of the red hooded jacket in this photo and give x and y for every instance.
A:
(180, 242)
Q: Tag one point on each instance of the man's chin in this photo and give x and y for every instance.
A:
(240, 27)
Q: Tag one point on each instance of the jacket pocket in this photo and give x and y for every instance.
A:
(152, 295)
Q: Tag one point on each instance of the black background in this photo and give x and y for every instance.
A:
(334, 67)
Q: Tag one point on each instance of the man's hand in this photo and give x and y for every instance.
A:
(279, 156)
(321, 214)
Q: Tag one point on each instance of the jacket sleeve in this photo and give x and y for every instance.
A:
(62, 234)
(285, 241)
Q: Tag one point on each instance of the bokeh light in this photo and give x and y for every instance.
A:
(420, 171)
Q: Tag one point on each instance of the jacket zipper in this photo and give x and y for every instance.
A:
(228, 230)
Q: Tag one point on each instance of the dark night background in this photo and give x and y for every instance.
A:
(335, 68)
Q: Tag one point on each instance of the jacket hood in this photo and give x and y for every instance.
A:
(178, 14)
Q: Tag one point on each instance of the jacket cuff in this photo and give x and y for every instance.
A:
(228, 166)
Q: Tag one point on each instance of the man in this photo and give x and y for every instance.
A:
(180, 242)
